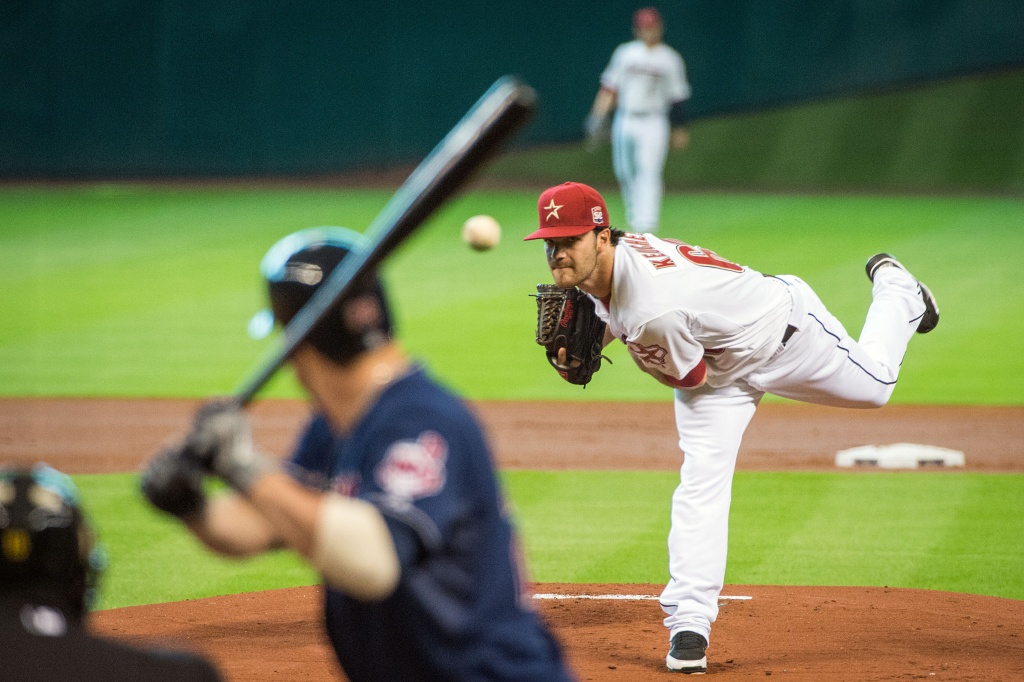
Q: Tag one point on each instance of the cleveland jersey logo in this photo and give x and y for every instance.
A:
(414, 468)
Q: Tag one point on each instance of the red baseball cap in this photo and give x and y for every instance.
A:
(568, 210)
(646, 18)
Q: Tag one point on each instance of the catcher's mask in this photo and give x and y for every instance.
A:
(47, 547)
(295, 267)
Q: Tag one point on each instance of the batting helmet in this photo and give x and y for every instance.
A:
(46, 542)
(295, 267)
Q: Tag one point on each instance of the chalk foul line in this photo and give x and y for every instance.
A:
(626, 597)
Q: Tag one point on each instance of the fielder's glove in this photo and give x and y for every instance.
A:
(566, 319)
(221, 443)
(173, 483)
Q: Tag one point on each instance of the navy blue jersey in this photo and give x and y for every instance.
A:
(458, 613)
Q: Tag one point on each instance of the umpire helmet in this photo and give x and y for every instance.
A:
(46, 542)
(295, 267)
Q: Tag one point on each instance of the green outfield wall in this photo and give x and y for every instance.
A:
(114, 88)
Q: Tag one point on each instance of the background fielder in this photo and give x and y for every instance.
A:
(645, 82)
(722, 335)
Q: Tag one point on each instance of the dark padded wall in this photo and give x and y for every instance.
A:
(115, 88)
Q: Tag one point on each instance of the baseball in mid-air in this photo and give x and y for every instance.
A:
(481, 232)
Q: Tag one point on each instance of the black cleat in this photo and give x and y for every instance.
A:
(687, 654)
(930, 319)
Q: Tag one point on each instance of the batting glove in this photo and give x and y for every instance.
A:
(173, 483)
(221, 441)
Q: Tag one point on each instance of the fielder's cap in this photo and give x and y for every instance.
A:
(295, 267)
(568, 210)
(646, 17)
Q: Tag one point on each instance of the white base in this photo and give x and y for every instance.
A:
(899, 456)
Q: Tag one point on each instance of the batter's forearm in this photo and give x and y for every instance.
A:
(229, 525)
(345, 539)
(289, 509)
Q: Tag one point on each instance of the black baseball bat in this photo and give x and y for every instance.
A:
(499, 113)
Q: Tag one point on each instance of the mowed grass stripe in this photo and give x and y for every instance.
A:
(858, 529)
(593, 527)
(163, 311)
(982, 540)
(942, 531)
(905, 529)
(152, 559)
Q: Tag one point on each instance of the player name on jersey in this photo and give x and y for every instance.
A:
(657, 259)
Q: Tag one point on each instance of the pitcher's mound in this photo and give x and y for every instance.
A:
(790, 633)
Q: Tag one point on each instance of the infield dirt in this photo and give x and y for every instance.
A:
(797, 633)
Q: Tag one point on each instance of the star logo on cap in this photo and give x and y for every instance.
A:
(553, 208)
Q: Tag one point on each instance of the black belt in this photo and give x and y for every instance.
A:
(790, 330)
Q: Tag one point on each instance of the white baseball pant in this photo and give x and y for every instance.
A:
(639, 149)
(820, 364)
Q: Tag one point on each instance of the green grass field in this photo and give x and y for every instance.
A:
(958, 532)
(138, 292)
(128, 291)
(124, 290)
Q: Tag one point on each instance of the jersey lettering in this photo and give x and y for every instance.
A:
(704, 257)
(655, 258)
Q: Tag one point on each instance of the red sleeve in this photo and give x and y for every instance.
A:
(694, 378)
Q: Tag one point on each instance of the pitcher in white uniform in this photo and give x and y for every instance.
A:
(645, 82)
(721, 335)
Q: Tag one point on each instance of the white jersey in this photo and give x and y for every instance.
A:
(673, 304)
(648, 80)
